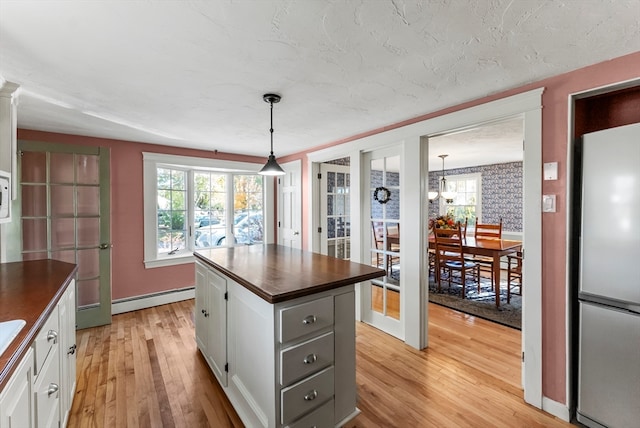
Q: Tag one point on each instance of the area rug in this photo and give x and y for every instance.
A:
(481, 304)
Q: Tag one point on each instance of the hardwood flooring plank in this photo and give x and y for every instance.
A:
(160, 386)
(144, 370)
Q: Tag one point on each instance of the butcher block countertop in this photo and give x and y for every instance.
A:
(29, 291)
(277, 273)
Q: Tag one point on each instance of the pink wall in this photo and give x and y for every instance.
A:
(129, 276)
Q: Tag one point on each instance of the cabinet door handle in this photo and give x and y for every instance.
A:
(311, 395)
(52, 335)
(310, 319)
(72, 350)
(53, 389)
(310, 359)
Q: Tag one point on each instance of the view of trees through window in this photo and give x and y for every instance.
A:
(172, 209)
(466, 199)
(208, 214)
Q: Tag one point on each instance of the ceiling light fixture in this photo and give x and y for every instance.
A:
(271, 167)
(442, 191)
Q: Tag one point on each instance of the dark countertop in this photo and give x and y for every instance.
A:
(29, 291)
(277, 273)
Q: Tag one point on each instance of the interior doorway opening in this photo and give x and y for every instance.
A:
(485, 173)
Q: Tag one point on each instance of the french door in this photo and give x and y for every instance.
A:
(335, 223)
(382, 306)
(65, 216)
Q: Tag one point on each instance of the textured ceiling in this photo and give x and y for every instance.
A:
(192, 73)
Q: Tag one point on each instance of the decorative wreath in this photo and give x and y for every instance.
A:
(382, 195)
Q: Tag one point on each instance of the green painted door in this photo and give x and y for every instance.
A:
(65, 216)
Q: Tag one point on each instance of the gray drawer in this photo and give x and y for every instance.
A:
(322, 417)
(297, 321)
(306, 395)
(305, 358)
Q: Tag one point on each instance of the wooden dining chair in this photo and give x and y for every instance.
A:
(487, 231)
(378, 229)
(378, 239)
(450, 257)
(393, 229)
(463, 227)
(514, 273)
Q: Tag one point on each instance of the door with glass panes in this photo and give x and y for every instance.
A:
(65, 216)
(335, 222)
(381, 232)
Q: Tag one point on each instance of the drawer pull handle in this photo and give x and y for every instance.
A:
(52, 335)
(310, 359)
(53, 389)
(72, 350)
(309, 319)
(311, 395)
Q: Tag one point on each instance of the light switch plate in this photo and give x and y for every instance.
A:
(550, 171)
(548, 203)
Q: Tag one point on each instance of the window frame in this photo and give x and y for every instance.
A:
(151, 162)
(444, 206)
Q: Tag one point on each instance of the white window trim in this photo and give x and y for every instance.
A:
(150, 163)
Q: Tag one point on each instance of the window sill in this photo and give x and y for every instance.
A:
(169, 261)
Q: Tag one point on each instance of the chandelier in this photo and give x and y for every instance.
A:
(442, 190)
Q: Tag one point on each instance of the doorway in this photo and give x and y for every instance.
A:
(290, 206)
(335, 202)
(484, 173)
(65, 216)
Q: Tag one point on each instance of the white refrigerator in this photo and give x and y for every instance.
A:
(609, 279)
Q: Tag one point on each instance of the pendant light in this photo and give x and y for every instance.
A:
(271, 167)
(442, 191)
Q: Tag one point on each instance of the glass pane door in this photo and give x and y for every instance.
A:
(335, 215)
(382, 295)
(65, 217)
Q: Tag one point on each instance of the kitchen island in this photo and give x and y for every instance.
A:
(277, 327)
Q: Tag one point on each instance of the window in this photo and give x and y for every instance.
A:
(466, 202)
(193, 203)
(172, 210)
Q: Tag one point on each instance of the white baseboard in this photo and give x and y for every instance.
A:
(150, 300)
(558, 410)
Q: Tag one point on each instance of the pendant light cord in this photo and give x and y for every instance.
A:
(271, 129)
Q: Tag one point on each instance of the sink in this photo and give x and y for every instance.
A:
(8, 331)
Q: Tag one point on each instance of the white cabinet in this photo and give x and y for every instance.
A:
(290, 364)
(46, 379)
(40, 391)
(16, 407)
(67, 320)
(211, 320)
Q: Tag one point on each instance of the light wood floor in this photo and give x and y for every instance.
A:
(144, 371)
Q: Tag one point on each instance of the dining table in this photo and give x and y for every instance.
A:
(488, 247)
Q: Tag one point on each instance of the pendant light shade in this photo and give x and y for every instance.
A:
(442, 191)
(271, 167)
